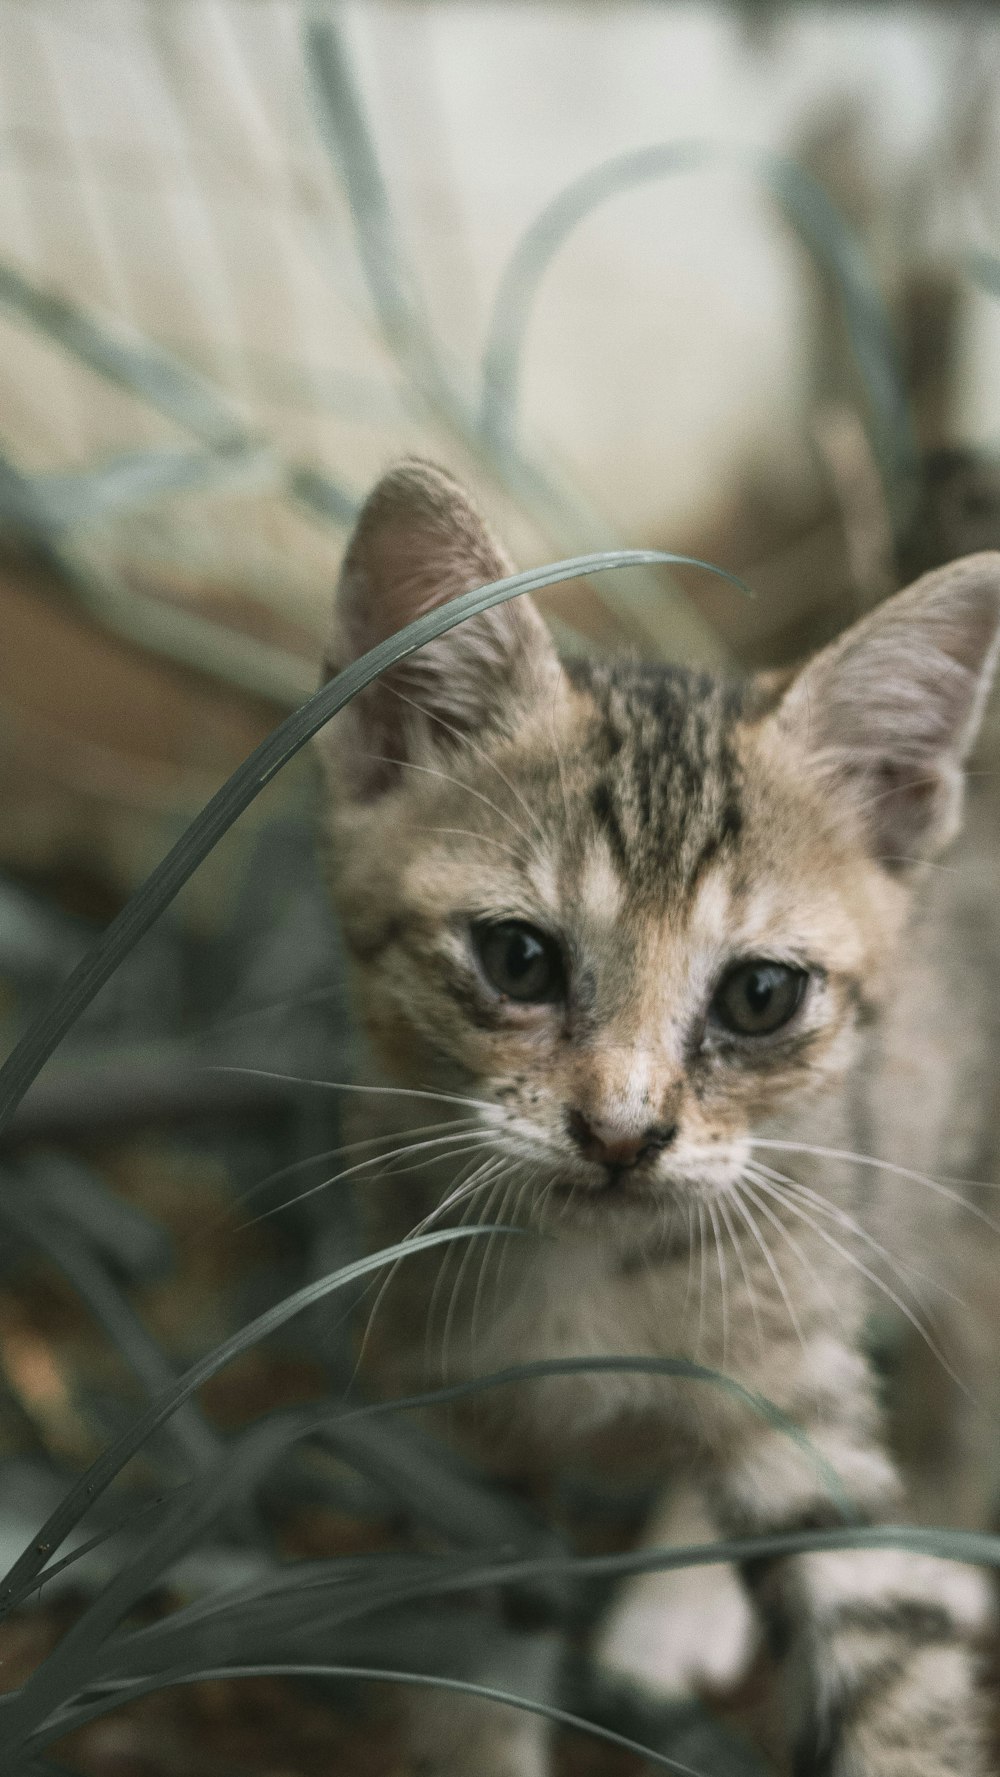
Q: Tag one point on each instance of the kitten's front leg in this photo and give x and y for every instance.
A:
(877, 1647)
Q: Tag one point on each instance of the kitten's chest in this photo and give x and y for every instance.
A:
(579, 1306)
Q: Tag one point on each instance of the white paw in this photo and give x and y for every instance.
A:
(685, 1629)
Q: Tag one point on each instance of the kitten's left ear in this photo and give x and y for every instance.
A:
(888, 712)
(419, 541)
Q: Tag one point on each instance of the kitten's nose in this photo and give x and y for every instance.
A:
(608, 1144)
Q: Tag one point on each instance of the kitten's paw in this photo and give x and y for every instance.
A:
(682, 1630)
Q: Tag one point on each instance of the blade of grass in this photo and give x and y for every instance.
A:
(147, 622)
(660, 611)
(130, 1692)
(813, 218)
(194, 1438)
(385, 1583)
(204, 832)
(111, 1461)
(160, 380)
(677, 1367)
(456, 1513)
(128, 1240)
(984, 269)
(76, 500)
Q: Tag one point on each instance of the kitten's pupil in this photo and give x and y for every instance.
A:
(758, 997)
(519, 961)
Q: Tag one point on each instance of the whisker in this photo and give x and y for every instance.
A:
(504, 1188)
(723, 1290)
(904, 1270)
(418, 1229)
(480, 752)
(460, 783)
(737, 1244)
(469, 833)
(263, 1073)
(466, 1188)
(437, 1142)
(351, 1147)
(689, 1207)
(702, 1270)
(783, 1196)
(449, 1319)
(746, 1191)
(890, 1166)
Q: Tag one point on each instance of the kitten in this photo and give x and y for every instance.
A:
(646, 932)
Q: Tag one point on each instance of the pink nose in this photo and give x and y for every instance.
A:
(608, 1144)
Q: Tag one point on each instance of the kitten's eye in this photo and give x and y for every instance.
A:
(521, 962)
(758, 997)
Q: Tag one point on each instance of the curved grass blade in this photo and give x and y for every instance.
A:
(162, 381)
(678, 1367)
(194, 1438)
(247, 781)
(141, 618)
(972, 1548)
(331, 1418)
(562, 513)
(814, 219)
(86, 1712)
(103, 1471)
(393, 1582)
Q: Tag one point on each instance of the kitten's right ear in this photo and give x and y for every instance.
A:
(419, 542)
(885, 715)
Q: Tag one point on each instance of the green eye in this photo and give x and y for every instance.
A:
(521, 962)
(758, 997)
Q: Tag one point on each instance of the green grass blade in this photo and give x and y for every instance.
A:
(814, 220)
(70, 1719)
(247, 781)
(161, 381)
(110, 1463)
(678, 1367)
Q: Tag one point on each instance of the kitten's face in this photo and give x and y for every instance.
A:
(625, 929)
(632, 914)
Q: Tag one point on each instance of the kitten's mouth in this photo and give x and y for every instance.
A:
(617, 1186)
(619, 1190)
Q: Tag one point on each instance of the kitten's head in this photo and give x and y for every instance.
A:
(634, 912)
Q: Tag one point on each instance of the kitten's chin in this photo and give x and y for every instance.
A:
(631, 1206)
(617, 1211)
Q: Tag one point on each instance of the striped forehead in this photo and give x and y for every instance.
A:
(664, 791)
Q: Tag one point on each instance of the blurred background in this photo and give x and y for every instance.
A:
(717, 279)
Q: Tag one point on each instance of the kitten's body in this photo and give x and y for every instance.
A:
(666, 827)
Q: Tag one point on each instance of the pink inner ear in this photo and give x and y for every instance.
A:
(419, 543)
(892, 707)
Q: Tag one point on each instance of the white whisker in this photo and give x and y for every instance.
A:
(462, 1141)
(745, 1191)
(835, 1213)
(263, 1073)
(783, 1196)
(447, 778)
(723, 1280)
(889, 1166)
(480, 752)
(737, 1245)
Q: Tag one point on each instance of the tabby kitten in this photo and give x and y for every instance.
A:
(633, 942)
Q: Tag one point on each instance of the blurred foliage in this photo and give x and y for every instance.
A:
(191, 1479)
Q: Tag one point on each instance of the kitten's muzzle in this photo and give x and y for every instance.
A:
(606, 1143)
